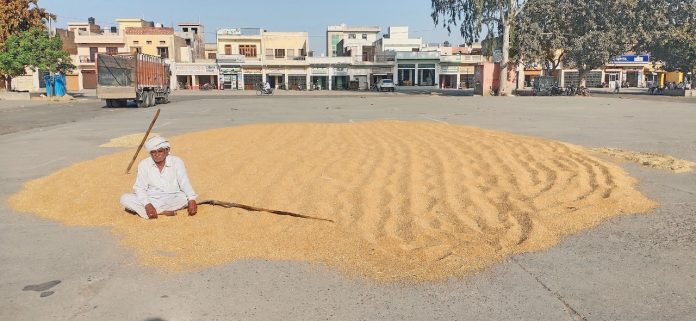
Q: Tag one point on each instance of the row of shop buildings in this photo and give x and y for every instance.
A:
(248, 56)
(631, 70)
(356, 57)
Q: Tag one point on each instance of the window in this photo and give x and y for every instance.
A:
(163, 52)
(269, 53)
(149, 42)
(291, 53)
(194, 30)
(188, 42)
(228, 49)
(93, 53)
(212, 55)
(351, 36)
(162, 42)
(364, 36)
(248, 50)
(280, 53)
(111, 50)
(184, 29)
(136, 42)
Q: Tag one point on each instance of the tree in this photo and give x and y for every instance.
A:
(539, 35)
(600, 32)
(585, 34)
(671, 37)
(497, 16)
(36, 50)
(17, 16)
(20, 15)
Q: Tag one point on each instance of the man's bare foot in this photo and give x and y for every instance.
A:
(168, 213)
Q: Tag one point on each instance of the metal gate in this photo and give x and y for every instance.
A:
(89, 79)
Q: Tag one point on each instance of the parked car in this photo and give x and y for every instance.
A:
(386, 85)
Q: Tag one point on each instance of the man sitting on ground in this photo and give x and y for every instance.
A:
(162, 186)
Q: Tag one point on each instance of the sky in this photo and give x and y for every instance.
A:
(311, 16)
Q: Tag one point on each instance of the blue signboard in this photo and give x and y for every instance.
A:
(623, 59)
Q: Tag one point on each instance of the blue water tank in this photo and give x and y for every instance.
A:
(59, 85)
(49, 85)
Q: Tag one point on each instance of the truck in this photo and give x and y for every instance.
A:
(139, 77)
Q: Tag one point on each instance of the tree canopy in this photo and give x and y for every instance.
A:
(670, 34)
(20, 15)
(496, 17)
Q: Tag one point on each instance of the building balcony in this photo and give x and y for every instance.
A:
(385, 57)
(85, 60)
(231, 59)
(330, 60)
(458, 59)
(286, 61)
(428, 55)
(86, 37)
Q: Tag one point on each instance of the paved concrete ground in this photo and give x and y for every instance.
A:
(628, 268)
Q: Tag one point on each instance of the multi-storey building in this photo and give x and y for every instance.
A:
(239, 55)
(353, 41)
(397, 39)
(284, 61)
(90, 39)
(194, 38)
(157, 41)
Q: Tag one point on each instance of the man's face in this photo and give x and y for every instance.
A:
(159, 155)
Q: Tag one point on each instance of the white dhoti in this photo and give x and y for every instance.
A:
(168, 202)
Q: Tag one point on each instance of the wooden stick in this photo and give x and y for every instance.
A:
(258, 209)
(152, 123)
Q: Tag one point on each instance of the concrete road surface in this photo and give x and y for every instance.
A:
(628, 268)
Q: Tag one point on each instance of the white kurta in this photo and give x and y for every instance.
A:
(168, 190)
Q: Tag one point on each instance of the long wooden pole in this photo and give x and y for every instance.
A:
(152, 123)
(259, 209)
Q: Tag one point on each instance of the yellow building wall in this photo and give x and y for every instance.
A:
(235, 43)
(172, 42)
(286, 40)
(130, 23)
(674, 76)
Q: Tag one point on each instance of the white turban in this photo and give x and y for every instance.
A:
(156, 142)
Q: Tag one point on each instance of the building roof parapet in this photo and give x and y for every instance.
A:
(418, 55)
(149, 31)
(346, 28)
(240, 32)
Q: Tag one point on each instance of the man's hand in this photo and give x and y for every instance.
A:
(151, 211)
(192, 207)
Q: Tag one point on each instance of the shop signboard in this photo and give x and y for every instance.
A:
(340, 71)
(360, 71)
(449, 69)
(382, 70)
(252, 71)
(320, 71)
(229, 32)
(296, 71)
(275, 71)
(468, 70)
(195, 69)
(627, 59)
(229, 71)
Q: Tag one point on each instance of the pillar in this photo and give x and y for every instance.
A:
(330, 76)
(194, 82)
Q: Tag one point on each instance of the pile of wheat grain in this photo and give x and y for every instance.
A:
(411, 200)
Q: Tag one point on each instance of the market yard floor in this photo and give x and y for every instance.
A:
(607, 272)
